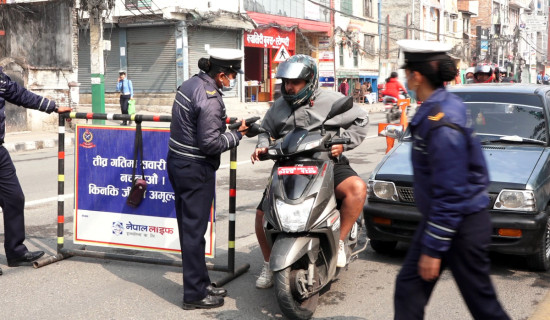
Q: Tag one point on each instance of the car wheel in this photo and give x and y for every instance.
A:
(540, 261)
(383, 246)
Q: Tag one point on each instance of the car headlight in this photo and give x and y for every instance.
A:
(519, 200)
(294, 217)
(383, 190)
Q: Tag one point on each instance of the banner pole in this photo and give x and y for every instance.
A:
(232, 209)
(61, 184)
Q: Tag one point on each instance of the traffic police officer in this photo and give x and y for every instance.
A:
(12, 199)
(450, 187)
(197, 138)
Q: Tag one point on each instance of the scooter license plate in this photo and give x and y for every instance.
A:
(283, 171)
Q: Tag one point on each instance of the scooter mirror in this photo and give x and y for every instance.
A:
(340, 106)
(392, 131)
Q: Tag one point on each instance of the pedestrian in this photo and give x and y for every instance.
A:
(304, 105)
(124, 86)
(197, 139)
(12, 199)
(545, 79)
(450, 187)
(539, 78)
(344, 87)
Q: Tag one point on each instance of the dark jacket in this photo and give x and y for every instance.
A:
(197, 131)
(12, 92)
(450, 173)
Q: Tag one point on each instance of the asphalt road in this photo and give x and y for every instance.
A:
(87, 288)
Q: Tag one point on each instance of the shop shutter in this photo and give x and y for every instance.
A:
(84, 75)
(111, 60)
(152, 58)
(198, 37)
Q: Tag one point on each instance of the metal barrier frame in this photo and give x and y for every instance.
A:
(63, 253)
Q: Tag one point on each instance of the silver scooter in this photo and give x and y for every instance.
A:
(302, 219)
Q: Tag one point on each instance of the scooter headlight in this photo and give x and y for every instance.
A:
(294, 217)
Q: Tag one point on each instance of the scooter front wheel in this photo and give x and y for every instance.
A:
(290, 285)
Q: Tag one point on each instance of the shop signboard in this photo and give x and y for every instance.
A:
(272, 38)
(103, 179)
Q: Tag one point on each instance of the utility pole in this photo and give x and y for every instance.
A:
(95, 10)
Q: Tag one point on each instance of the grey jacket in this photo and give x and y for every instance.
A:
(280, 119)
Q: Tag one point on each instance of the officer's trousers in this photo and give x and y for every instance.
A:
(469, 262)
(12, 202)
(194, 188)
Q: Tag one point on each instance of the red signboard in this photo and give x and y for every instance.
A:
(270, 38)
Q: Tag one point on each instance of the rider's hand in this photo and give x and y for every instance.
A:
(243, 128)
(256, 154)
(336, 150)
(429, 267)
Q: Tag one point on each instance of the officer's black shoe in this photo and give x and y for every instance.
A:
(26, 259)
(207, 303)
(213, 291)
(123, 123)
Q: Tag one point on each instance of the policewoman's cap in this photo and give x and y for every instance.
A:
(229, 58)
(416, 51)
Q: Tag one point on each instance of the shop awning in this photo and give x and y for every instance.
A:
(304, 25)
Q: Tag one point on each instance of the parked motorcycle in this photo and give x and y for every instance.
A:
(302, 219)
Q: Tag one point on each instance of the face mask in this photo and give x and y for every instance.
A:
(231, 85)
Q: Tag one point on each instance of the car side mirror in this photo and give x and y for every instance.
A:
(392, 131)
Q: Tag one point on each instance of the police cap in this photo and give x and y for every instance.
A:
(228, 58)
(416, 51)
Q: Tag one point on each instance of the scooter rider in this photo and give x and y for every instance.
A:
(304, 105)
(484, 74)
(394, 87)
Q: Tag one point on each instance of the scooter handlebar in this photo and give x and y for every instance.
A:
(248, 122)
(338, 141)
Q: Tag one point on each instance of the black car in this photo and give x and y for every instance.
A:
(511, 122)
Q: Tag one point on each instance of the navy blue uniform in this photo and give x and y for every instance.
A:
(197, 138)
(450, 187)
(12, 199)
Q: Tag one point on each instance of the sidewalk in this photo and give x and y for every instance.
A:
(34, 140)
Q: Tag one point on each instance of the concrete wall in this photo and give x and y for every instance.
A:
(39, 51)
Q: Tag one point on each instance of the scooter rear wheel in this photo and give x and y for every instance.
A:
(287, 284)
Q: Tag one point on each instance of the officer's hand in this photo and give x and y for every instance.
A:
(336, 150)
(63, 109)
(429, 267)
(256, 154)
(243, 128)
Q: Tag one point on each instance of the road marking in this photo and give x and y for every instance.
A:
(46, 200)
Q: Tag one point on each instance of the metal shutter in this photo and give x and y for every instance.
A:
(215, 38)
(111, 60)
(84, 75)
(152, 58)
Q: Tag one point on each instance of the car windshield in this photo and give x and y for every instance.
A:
(507, 122)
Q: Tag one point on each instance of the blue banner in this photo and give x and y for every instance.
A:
(103, 178)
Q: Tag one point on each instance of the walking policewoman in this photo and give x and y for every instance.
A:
(197, 138)
(450, 187)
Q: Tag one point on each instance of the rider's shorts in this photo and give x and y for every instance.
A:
(341, 173)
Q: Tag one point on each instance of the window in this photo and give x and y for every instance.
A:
(369, 44)
(341, 54)
(355, 57)
(367, 8)
(346, 6)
